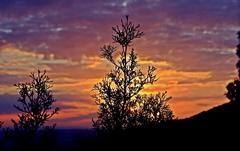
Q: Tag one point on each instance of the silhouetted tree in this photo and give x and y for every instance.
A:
(36, 100)
(1, 123)
(152, 109)
(118, 92)
(233, 88)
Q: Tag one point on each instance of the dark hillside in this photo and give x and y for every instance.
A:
(224, 116)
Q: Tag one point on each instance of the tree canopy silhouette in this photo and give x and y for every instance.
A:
(36, 100)
(118, 93)
(233, 88)
(153, 109)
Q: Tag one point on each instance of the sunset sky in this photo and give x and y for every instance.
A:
(191, 42)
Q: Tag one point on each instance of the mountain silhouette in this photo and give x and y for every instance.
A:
(223, 116)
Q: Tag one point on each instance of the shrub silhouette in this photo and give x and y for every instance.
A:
(233, 88)
(118, 93)
(153, 109)
(36, 100)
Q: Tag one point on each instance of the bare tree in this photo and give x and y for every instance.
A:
(36, 100)
(117, 92)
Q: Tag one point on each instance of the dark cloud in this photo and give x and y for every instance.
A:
(10, 80)
(65, 107)
(6, 103)
(77, 117)
(74, 98)
(80, 119)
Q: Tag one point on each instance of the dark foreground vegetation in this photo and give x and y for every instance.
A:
(215, 128)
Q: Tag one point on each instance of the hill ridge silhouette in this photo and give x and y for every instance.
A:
(221, 116)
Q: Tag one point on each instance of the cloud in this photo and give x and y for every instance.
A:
(76, 121)
(6, 103)
(77, 117)
(80, 113)
(7, 31)
(158, 64)
(188, 108)
(91, 61)
(71, 86)
(182, 83)
(95, 62)
(9, 80)
(9, 89)
(17, 61)
(169, 75)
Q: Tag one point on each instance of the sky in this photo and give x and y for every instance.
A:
(190, 42)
